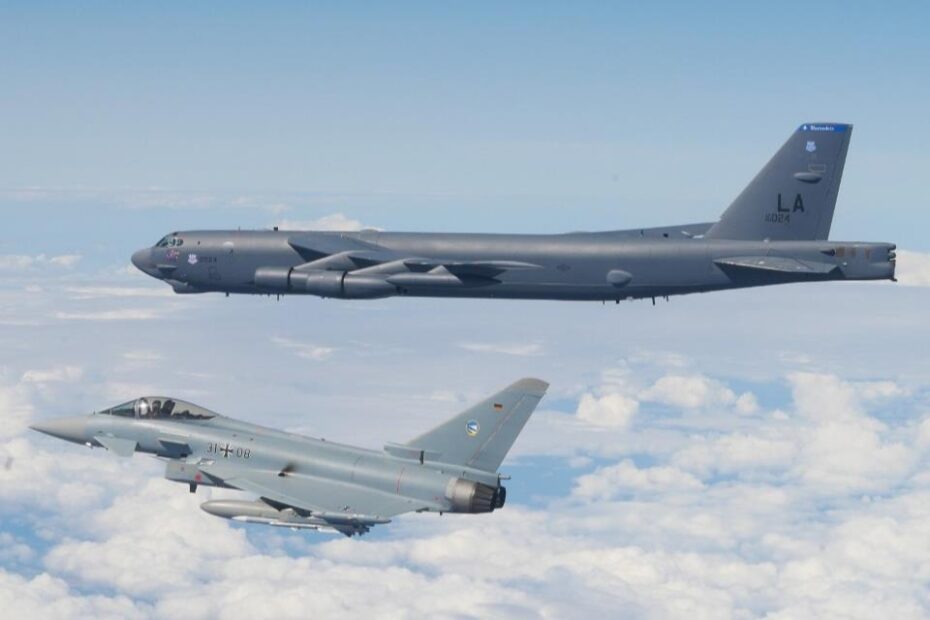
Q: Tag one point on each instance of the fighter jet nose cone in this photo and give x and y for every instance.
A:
(69, 429)
(142, 259)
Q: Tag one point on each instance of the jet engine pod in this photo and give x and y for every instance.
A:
(501, 497)
(344, 285)
(279, 279)
(470, 496)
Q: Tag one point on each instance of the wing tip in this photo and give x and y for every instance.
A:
(530, 385)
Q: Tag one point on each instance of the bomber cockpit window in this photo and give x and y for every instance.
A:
(171, 240)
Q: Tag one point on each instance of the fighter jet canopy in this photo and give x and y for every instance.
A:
(160, 407)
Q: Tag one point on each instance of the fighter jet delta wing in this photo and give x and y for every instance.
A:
(336, 504)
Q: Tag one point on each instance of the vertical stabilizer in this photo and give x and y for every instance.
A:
(793, 196)
(481, 436)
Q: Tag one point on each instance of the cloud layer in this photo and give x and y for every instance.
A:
(748, 474)
(783, 517)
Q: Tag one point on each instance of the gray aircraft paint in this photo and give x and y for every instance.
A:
(775, 232)
(304, 482)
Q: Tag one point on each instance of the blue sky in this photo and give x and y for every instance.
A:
(741, 454)
(588, 116)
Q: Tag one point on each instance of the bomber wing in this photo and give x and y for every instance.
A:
(314, 245)
(363, 268)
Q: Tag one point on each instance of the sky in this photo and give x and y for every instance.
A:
(747, 454)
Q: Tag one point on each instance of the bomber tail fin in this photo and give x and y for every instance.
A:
(794, 195)
(481, 436)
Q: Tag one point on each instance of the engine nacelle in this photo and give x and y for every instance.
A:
(280, 279)
(470, 496)
(344, 285)
(339, 284)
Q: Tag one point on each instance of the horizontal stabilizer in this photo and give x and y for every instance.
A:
(776, 265)
(117, 445)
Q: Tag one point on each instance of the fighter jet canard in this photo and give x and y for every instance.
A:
(307, 483)
(775, 232)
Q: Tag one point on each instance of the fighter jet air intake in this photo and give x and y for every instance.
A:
(775, 232)
(306, 483)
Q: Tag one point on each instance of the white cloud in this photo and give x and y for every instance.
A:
(306, 350)
(50, 375)
(678, 508)
(913, 268)
(746, 403)
(333, 221)
(96, 292)
(143, 356)
(123, 314)
(923, 433)
(14, 550)
(689, 392)
(608, 482)
(17, 262)
(517, 349)
(737, 453)
(45, 597)
(843, 448)
(160, 523)
(613, 410)
(15, 410)
(650, 541)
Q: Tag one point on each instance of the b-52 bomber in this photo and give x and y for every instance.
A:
(775, 232)
(306, 483)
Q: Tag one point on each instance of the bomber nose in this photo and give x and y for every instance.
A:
(69, 429)
(142, 259)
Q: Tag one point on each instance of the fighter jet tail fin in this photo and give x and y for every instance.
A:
(794, 195)
(481, 436)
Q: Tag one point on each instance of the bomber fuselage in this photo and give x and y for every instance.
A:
(575, 266)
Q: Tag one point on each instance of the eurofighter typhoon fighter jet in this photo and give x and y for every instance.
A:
(775, 232)
(312, 483)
